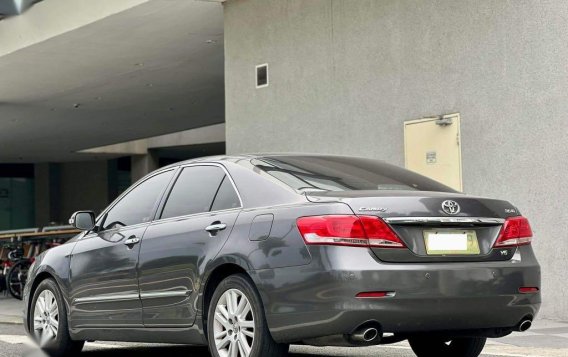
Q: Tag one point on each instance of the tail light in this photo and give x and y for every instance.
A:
(515, 231)
(348, 230)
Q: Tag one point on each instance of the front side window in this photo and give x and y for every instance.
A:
(138, 205)
(199, 189)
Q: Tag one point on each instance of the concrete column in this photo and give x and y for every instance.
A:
(143, 165)
(41, 182)
(84, 186)
(47, 193)
(112, 173)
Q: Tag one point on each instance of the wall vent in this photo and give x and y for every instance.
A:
(262, 75)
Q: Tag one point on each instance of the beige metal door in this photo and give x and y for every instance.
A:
(432, 148)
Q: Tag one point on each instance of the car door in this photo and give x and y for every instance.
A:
(194, 222)
(103, 274)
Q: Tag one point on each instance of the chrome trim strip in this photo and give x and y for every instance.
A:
(165, 294)
(200, 214)
(128, 297)
(414, 220)
(106, 298)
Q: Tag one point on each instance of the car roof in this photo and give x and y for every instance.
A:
(250, 156)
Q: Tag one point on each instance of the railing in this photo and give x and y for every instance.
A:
(34, 240)
(23, 235)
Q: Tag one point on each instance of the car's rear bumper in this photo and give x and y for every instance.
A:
(319, 300)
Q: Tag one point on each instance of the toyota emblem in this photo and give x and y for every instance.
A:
(451, 207)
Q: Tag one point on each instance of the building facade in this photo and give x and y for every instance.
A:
(345, 76)
(473, 93)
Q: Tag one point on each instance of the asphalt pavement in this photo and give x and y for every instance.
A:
(546, 339)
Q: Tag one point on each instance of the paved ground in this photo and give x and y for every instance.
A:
(545, 339)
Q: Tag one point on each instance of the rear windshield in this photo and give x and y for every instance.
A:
(337, 173)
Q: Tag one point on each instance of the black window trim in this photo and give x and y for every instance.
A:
(166, 195)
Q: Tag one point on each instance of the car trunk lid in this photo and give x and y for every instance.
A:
(419, 219)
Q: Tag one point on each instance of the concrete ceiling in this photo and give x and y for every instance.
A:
(154, 69)
(13, 7)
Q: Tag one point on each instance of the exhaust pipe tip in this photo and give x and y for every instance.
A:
(370, 334)
(366, 335)
(524, 325)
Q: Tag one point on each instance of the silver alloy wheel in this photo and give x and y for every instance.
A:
(233, 326)
(46, 318)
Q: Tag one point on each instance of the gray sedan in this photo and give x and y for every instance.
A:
(248, 254)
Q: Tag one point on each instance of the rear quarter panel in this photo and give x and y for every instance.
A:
(284, 247)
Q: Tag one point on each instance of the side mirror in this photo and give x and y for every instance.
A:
(83, 220)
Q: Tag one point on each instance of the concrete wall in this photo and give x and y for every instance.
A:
(345, 75)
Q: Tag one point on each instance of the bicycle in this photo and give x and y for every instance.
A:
(18, 273)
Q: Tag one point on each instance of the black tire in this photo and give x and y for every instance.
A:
(263, 344)
(62, 345)
(440, 347)
(16, 279)
(3, 286)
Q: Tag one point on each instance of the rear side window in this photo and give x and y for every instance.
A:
(226, 197)
(195, 191)
(339, 173)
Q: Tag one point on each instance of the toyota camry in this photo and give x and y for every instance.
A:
(249, 254)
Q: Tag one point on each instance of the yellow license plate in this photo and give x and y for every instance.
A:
(451, 242)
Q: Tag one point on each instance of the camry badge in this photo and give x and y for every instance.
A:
(451, 207)
(372, 209)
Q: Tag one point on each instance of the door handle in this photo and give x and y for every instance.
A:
(131, 241)
(215, 227)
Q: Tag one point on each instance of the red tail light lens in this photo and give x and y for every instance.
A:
(348, 230)
(380, 234)
(528, 290)
(332, 230)
(375, 294)
(515, 231)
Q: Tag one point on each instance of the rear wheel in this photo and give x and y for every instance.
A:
(440, 347)
(236, 326)
(49, 322)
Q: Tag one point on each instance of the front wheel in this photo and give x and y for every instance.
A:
(49, 322)
(236, 325)
(440, 347)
